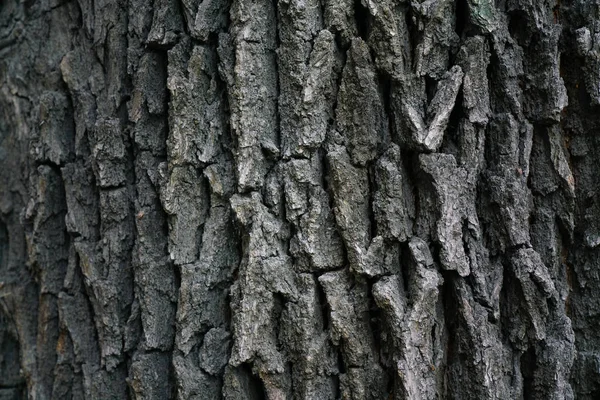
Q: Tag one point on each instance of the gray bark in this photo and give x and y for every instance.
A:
(318, 199)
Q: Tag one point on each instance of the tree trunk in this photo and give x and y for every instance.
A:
(336, 199)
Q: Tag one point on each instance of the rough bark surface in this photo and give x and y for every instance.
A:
(299, 199)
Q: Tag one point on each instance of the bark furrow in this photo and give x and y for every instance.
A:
(336, 199)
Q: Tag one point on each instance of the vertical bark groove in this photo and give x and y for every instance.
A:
(337, 199)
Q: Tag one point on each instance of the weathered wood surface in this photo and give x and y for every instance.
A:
(336, 199)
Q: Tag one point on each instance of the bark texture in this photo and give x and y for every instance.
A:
(299, 199)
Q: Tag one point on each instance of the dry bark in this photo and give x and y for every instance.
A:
(336, 199)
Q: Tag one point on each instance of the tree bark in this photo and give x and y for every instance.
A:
(336, 199)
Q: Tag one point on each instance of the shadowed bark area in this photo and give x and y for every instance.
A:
(316, 199)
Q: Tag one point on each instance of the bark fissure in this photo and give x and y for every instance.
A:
(318, 199)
